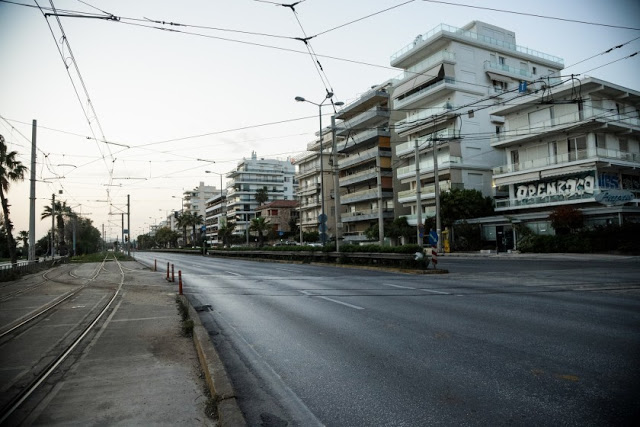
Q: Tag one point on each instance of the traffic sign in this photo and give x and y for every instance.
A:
(322, 228)
(322, 218)
(433, 238)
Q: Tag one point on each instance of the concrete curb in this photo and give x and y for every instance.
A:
(229, 413)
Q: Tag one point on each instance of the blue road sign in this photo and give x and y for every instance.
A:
(433, 238)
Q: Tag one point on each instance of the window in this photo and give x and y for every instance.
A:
(534, 70)
(515, 159)
(577, 147)
(499, 86)
(501, 60)
(553, 152)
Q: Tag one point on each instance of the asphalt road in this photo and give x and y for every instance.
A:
(498, 341)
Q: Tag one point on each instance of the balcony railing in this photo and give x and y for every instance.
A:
(567, 119)
(503, 68)
(419, 119)
(444, 162)
(426, 192)
(573, 156)
(357, 121)
(476, 37)
(359, 195)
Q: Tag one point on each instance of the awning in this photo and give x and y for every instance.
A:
(500, 78)
(419, 79)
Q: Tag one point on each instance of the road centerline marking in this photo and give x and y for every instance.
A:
(435, 292)
(397, 286)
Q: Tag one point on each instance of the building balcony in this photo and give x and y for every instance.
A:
(505, 70)
(428, 116)
(424, 142)
(424, 65)
(362, 157)
(366, 215)
(426, 192)
(445, 161)
(590, 117)
(363, 120)
(362, 137)
(398, 58)
(437, 89)
(364, 102)
(309, 190)
(595, 154)
(365, 175)
(359, 196)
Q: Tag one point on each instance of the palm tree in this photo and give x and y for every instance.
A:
(62, 211)
(225, 232)
(11, 170)
(24, 237)
(184, 221)
(262, 195)
(260, 225)
(196, 219)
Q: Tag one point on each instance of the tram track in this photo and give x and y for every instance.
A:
(55, 330)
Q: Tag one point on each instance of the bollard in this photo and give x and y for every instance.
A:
(167, 271)
(155, 265)
(179, 282)
(434, 257)
(173, 276)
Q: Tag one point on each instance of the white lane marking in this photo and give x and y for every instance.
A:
(232, 273)
(309, 294)
(435, 292)
(340, 302)
(397, 286)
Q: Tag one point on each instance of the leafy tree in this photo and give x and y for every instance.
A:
(460, 204)
(566, 219)
(262, 195)
(11, 170)
(88, 238)
(165, 237)
(260, 225)
(400, 228)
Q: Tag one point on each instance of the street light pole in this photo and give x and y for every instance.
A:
(322, 219)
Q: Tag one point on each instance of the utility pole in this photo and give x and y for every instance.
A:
(122, 228)
(336, 185)
(436, 181)
(32, 196)
(419, 225)
(128, 225)
(53, 223)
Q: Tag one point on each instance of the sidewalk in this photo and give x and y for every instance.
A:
(138, 369)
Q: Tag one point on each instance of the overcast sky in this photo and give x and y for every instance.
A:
(164, 99)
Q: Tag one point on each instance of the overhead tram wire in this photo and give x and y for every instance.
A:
(577, 21)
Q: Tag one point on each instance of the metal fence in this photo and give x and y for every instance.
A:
(11, 272)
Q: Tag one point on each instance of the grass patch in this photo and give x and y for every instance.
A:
(187, 324)
(99, 256)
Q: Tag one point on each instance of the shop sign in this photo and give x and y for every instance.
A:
(568, 187)
(614, 197)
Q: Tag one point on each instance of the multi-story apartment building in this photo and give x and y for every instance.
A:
(580, 147)
(312, 190)
(365, 165)
(195, 201)
(215, 217)
(450, 75)
(252, 174)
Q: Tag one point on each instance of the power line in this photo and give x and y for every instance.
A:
(533, 15)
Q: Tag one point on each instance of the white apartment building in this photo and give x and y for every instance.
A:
(250, 175)
(195, 201)
(365, 165)
(579, 146)
(450, 75)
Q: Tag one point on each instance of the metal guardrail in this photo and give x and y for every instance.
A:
(11, 272)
